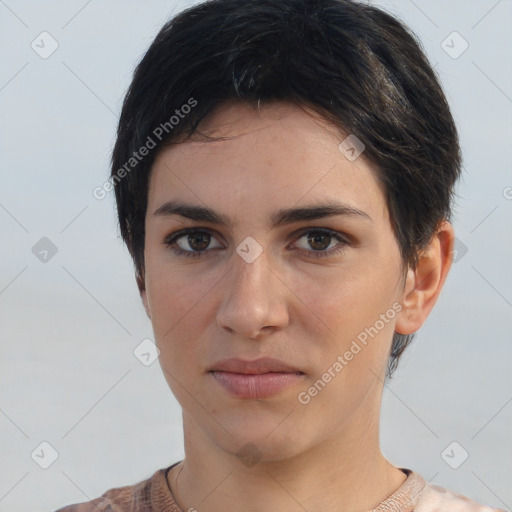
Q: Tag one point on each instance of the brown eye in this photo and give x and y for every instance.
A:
(198, 241)
(191, 242)
(318, 240)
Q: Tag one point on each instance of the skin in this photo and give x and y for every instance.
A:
(287, 304)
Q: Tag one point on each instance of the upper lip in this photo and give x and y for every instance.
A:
(254, 367)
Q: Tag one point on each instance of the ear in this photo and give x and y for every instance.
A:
(423, 285)
(141, 285)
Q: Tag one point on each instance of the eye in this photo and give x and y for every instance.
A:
(196, 239)
(194, 242)
(321, 240)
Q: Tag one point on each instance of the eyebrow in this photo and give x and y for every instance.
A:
(279, 218)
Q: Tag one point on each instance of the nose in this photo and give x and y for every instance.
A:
(253, 300)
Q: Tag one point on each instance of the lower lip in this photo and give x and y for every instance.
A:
(256, 386)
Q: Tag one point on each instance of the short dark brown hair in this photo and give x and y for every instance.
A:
(354, 64)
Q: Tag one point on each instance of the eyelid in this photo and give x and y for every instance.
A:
(333, 232)
(343, 240)
(300, 232)
(173, 237)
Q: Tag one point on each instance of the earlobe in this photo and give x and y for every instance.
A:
(423, 284)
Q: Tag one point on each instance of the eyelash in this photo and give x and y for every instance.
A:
(171, 240)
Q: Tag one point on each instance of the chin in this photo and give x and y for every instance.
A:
(262, 440)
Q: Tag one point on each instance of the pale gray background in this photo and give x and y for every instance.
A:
(69, 326)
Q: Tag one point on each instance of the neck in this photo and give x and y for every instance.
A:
(347, 474)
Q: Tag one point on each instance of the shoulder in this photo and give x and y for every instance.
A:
(434, 498)
(140, 497)
(98, 504)
(117, 499)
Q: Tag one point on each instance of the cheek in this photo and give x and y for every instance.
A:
(343, 315)
(352, 342)
(346, 300)
(173, 303)
(177, 318)
(172, 293)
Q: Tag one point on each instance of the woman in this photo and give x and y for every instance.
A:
(283, 173)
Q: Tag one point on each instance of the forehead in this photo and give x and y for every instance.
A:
(270, 157)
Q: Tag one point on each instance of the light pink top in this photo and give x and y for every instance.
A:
(154, 495)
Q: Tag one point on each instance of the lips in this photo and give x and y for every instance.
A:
(255, 367)
(256, 379)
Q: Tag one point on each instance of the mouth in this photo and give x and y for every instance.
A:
(255, 367)
(256, 379)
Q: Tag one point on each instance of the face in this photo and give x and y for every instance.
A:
(320, 293)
